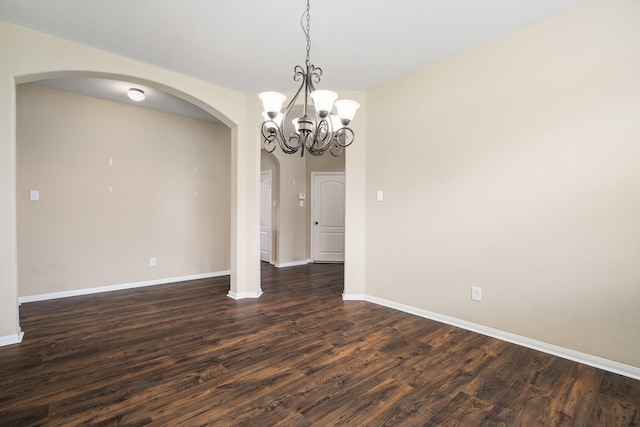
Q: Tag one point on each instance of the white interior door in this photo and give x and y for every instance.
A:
(265, 216)
(327, 216)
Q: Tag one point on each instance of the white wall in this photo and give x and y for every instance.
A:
(513, 166)
(118, 184)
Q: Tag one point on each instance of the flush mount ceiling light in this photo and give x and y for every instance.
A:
(136, 94)
(318, 134)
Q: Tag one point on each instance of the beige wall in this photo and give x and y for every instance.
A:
(514, 167)
(169, 198)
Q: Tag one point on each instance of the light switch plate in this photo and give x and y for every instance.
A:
(34, 195)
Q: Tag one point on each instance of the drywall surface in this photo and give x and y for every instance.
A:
(513, 167)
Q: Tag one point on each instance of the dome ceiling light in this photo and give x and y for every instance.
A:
(136, 94)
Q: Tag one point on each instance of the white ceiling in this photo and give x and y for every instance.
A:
(253, 45)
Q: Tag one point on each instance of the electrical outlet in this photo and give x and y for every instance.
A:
(476, 293)
(152, 261)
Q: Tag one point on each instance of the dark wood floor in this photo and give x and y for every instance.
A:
(188, 355)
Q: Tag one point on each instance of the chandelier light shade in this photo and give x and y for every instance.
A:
(272, 102)
(318, 129)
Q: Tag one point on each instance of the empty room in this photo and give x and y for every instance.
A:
(197, 230)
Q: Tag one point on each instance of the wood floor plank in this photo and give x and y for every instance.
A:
(620, 388)
(524, 404)
(364, 407)
(462, 410)
(494, 378)
(611, 412)
(186, 354)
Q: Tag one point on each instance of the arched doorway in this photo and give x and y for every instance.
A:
(244, 281)
(130, 196)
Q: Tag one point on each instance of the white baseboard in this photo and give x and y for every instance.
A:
(565, 353)
(244, 295)
(292, 264)
(11, 339)
(576, 356)
(119, 287)
(354, 297)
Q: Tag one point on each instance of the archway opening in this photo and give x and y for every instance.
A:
(95, 190)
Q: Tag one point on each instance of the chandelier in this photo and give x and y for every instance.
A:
(317, 130)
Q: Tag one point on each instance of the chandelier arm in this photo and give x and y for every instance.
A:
(286, 144)
(318, 151)
(298, 73)
(306, 92)
(319, 146)
(272, 132)
(278, 132)
(324, 134)
(336, 149)
(344, 136)
(315, 73)
(289, 148)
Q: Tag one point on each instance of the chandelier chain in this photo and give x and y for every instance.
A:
(307, 32)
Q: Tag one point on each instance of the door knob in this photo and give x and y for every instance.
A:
(316, 222)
